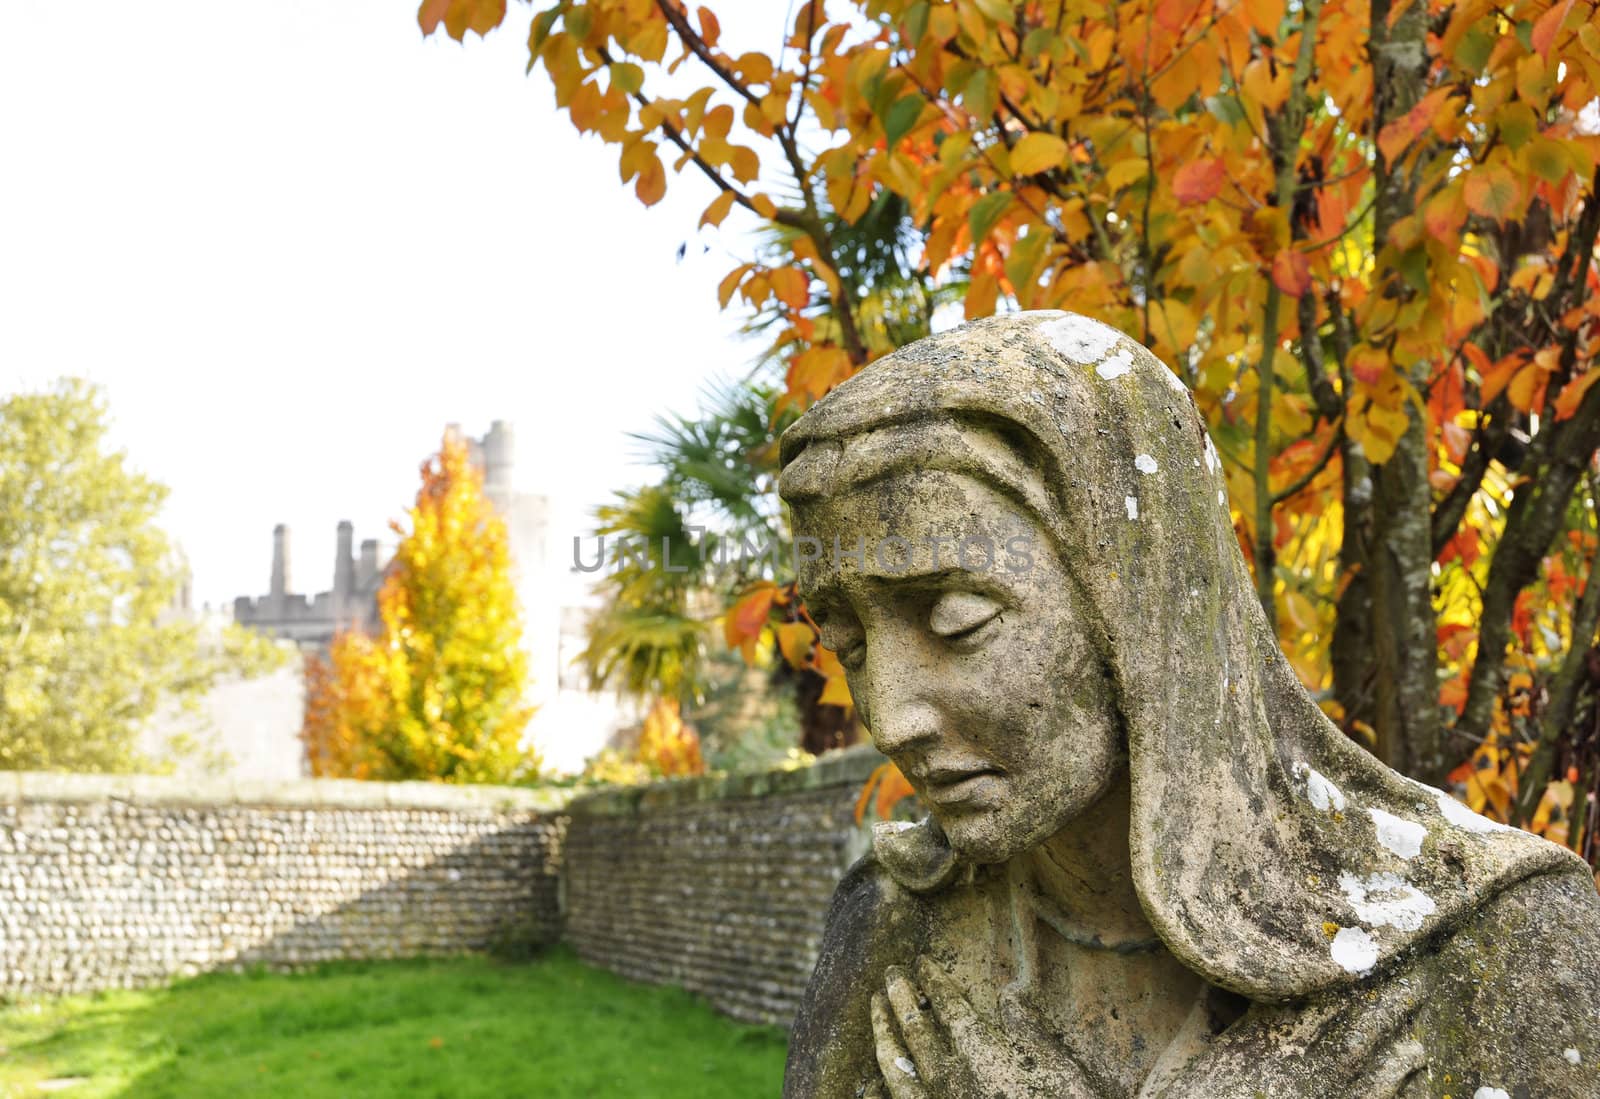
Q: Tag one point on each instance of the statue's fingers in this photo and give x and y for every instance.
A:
(951, 1007)
(894, 1060)
(928, 1047)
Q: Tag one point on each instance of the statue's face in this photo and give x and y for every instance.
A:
(974, 671)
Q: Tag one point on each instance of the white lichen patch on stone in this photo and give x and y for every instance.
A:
(1573, 1056)
(1387, 900)
(1322, 794)
(1080, 339)
(1222, 498)
(1399, 835)
(1354, 950)
(1464, 818)
(1132, 504)
(893, 826)
(904, 1065)
(1116, 365)
(1145, 464)
(1487, 1092)
(1213, 459)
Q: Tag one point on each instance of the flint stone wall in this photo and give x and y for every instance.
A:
(719, 885)
(110, 881)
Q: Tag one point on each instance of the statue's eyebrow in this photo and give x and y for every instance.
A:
(921, 577)
(829, 593)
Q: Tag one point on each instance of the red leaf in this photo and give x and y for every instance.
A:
(1291, 272)
(1198, 181)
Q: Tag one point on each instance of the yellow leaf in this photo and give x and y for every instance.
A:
(755, 68)
(1124, 173)
(835, 692)
(1037, 152)
(795, 640)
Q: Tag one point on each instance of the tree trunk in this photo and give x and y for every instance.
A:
(1385, 645)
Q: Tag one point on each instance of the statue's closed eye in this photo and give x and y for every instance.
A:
(959, 613)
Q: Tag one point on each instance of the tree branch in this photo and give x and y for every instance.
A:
(1564, 689)
(1487, 441)
(1295, 487)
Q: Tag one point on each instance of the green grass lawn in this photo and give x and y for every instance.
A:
(467, 1027)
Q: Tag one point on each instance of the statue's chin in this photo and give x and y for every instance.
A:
(981, 839)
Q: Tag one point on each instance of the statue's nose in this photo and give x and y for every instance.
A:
(902, 717)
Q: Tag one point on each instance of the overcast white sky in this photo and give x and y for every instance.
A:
(293, 240)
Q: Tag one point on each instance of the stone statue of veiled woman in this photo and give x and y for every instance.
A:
(1152, 867)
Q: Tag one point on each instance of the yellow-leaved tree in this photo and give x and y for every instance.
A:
(439, 694)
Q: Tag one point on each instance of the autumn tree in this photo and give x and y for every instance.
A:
(439, 693)
(88, 650)
(1362, 232)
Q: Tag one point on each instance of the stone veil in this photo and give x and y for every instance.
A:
(1272, 856)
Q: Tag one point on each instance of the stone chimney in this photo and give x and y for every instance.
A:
(497, 459)
(280, 562)
(344, 564)
(367, 564)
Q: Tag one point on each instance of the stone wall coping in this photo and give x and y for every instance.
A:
(312, 793)
(847, 767)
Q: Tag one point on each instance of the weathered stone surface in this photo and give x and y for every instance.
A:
(1152, 866)
(718, 885)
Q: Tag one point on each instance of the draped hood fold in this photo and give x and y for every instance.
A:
(1272, 855)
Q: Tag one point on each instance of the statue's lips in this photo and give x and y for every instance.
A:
(958, 787)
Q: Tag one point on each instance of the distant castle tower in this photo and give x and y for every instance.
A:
(571, 724)
(352, 604)
(353, 601)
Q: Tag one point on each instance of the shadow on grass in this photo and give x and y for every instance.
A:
(457, 1028)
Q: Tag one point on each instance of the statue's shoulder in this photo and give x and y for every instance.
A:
(1516, 989)
(872, 924)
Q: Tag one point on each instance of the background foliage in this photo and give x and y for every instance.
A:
(91, 645)
(439, 693)
(1362, 233)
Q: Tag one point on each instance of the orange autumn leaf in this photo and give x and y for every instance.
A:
(748, 617)
(1548, 25)
(1198, 181)
(1572, 393)
(1291, 272)
(1492, 191)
